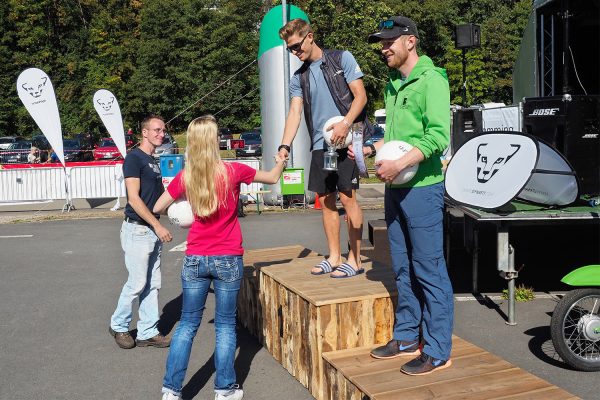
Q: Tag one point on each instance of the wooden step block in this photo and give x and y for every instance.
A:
(306, 315)
(249, 308)
(379, 239)
(377, 227)
(475, 374)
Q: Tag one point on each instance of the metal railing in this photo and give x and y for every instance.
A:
(77, 182)
(96, 182)
(33, 184)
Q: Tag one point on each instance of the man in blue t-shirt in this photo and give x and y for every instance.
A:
(142, 236)
(319, 104)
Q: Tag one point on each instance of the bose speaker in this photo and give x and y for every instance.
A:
(467, 36)
(570, 124)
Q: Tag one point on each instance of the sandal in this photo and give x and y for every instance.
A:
(324, 266)
(348, 271)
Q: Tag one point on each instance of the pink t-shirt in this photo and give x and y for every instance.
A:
(218, 234)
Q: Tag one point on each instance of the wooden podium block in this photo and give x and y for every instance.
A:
(249, 308)
(306, 315)
(379, 239)
(475, 374)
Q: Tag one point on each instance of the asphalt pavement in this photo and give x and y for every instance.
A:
(62, 274)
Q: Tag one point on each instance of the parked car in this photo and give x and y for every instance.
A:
(86, 144)
(224, 135)
(380, 118)
(252, 145)
(16, 153)
(377, 135)
(107, 149)
(72, 150)
(130, 140)
(6, 141)
(40, 142)
(168, 146)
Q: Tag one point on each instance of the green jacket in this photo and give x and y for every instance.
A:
(418, 112)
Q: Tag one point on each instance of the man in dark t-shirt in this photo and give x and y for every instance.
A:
(142, 236)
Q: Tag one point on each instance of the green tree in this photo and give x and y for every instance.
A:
(338, 25)
(9, 102)
(164, 56)
(197, 47)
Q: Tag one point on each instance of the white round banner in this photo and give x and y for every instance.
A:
(492, 169)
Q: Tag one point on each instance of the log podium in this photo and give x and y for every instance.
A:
(475, 374)
(305, 315)
(249, 307)
(321, 330)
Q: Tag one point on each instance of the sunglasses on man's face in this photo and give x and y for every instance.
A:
(296, 47)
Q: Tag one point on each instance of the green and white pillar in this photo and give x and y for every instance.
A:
(271, 52)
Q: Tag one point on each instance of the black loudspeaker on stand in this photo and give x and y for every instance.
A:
(571, 124)
(467, 36)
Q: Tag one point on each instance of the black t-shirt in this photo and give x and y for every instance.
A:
(143, 166)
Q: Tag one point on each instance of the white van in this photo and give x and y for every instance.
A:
(380, 118)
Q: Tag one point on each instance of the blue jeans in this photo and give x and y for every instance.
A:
(414, 217)
(142, 259)
(198, 272)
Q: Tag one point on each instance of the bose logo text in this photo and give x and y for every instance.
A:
(545, 111)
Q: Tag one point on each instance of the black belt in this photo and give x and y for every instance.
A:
(136, 222)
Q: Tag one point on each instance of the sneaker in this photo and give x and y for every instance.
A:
(123, 339)
(170, 396)
(156, 341)
(233, 394)
(424, 365)
(396, 348)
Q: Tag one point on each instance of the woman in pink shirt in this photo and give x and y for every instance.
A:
(214, 253)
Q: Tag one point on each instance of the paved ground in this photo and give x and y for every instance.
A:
(61, 279)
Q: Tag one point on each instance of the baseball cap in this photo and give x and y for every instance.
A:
(393, 27)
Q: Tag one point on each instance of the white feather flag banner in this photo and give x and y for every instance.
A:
(108, 109)
(37, 94)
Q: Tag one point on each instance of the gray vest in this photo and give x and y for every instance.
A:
(331, 66)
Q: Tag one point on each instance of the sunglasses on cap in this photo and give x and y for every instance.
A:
(390, 23)
(296, 47)
(387, 24)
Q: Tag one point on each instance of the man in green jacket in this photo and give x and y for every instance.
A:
(417, 103)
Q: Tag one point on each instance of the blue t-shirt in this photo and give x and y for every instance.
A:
(321, 101)
(143, 166)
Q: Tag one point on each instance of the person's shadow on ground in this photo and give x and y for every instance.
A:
(247, 344)
(171, 313)
(248, 347)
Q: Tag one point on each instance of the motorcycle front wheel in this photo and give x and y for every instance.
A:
(575, 329)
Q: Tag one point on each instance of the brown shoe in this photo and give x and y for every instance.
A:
(156, 341)
(123, 339)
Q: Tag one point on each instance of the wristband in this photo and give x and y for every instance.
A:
(345, 121)
(284, 146)
(373, 150)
